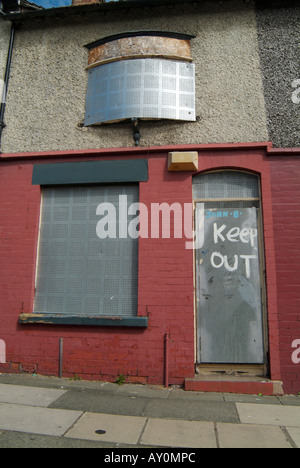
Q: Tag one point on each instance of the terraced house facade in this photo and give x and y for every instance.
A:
(150, 193)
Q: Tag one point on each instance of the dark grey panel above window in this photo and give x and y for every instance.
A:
(91, 172)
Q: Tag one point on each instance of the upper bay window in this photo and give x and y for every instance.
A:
(140, 75)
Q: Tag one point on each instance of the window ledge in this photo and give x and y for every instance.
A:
(115, 321)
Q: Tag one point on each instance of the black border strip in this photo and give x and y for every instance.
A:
(91, 172)
(115, 37)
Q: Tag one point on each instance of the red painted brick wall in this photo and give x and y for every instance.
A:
(285, 172)
(256, 161)
(165, 293)
(165, 274)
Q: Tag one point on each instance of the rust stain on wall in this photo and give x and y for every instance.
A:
(142, 45)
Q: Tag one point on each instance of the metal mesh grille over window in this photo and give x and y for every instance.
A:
(225, 184)
(144, 88)
(79, 273)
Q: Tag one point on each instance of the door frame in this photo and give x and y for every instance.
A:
(236, 369)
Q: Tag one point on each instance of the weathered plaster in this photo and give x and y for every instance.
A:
(46, 100)
(279, 47)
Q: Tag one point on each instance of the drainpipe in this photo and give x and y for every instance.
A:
(60, 358)
(167, 339)
(6, 79)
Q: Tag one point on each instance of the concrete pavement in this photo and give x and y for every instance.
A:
(38, 411)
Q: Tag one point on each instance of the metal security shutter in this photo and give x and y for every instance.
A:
(225, 184)
(141, 88)
(78, 273)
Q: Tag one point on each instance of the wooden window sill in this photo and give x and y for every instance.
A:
(103, 321)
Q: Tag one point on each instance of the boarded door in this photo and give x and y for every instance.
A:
(229, 294)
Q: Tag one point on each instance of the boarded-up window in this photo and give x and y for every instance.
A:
(79, 273)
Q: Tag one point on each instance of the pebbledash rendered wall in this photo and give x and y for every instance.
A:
(48, 81)
(247, 91)
(278, 40)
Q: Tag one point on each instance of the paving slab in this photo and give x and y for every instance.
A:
(142, 391)
(179, 394)
(33, 380)
(209, 411)
(259, 400)
(183, 434)
(291, 400)
(33, 396)
(294, 433)
(251, 436)
(113, 428)
(36, 420)
(269, 414)
(93, 401)
(11, 439)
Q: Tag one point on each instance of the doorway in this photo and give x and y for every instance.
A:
(229, 270)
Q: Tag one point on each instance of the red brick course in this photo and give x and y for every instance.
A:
(285, 173)
(166, 283)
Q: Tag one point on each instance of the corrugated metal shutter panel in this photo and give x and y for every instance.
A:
(79, 273)
(141, 88)
(225, 184)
